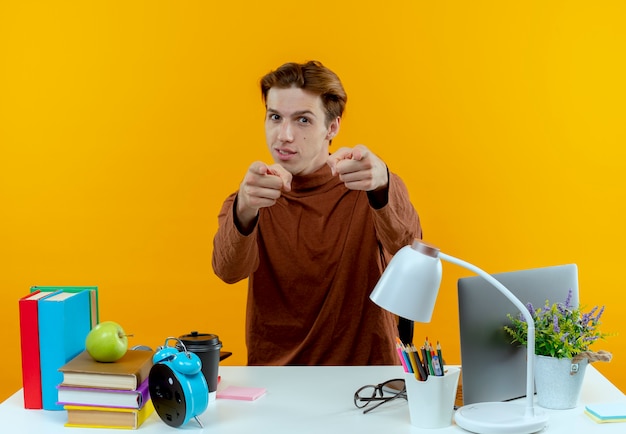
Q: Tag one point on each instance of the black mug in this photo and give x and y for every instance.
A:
(207, 347)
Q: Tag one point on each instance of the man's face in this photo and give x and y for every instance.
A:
(296, 130)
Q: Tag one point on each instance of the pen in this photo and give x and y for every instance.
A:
(429, 358)
(402, 360)
(420, 366)
(436, 365)
(407, 361)
(414, 363)
(425, 359)
(435, 361)
(439, 354)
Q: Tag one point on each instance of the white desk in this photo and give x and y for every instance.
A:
(303, 400)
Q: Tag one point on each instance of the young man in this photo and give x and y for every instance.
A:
(313, 231)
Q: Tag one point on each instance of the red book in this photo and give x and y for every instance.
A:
(29, 341)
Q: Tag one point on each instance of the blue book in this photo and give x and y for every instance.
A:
(93, 293)
(64, 322)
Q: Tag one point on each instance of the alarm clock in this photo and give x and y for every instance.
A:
(178, 389)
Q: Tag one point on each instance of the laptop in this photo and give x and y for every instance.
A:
(493, 369)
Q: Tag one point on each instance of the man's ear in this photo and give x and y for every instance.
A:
(333, 128)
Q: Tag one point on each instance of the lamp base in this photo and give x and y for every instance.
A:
(500, 417)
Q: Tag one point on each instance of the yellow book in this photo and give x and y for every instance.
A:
(107, 417)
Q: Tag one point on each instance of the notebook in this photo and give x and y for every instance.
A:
(493, 368)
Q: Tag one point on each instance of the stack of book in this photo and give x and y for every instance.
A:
(107, 395)
(54, 322)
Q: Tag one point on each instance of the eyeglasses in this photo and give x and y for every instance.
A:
(380, 393)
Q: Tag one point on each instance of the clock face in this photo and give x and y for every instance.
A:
(168, 395)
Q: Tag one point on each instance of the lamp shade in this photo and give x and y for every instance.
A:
(410, 284)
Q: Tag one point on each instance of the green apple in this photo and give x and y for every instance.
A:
(107, 342)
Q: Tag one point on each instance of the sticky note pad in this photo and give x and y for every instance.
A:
(241, 393)
(607, 412)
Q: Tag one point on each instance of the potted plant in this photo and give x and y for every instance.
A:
(563, 336)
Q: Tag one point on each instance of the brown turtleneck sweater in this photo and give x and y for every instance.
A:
(312, 261)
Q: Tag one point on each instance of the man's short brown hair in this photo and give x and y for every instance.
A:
(313, 77)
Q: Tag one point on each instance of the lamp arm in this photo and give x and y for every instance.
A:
(530, 359)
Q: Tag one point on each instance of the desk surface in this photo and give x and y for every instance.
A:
(307, 400)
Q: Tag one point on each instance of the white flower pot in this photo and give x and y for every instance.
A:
(558, 382)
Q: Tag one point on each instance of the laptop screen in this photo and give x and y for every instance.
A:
(493, 369)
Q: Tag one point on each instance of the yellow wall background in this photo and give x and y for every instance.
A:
(123, 126)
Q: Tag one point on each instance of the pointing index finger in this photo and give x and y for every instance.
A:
(282, 173)
(359, 153)
(336, 157)
(260, 168)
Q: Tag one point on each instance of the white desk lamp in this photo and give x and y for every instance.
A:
(409, 288)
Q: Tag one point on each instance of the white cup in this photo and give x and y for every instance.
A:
(431, 402)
